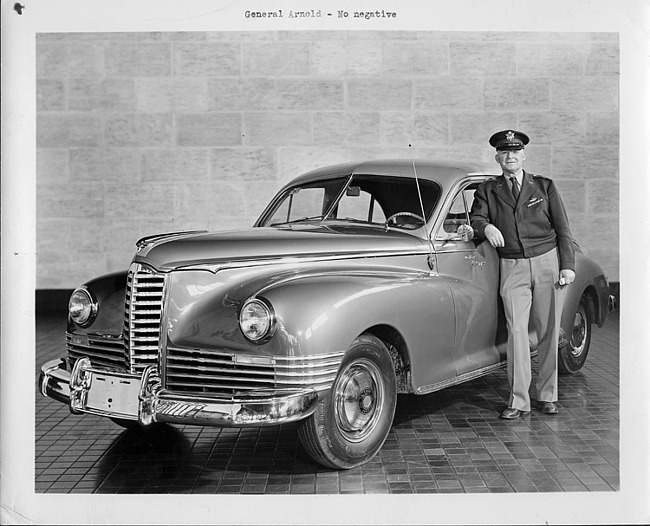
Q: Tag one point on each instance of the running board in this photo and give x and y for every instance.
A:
(465, 377)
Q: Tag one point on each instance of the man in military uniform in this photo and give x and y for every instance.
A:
(523, 217)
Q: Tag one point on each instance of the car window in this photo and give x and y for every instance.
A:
(397, 195)
(310, 201)
(359, 205)
(303, 202)
(361, 198)
(458, 213)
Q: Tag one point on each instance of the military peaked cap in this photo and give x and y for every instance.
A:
(509, 140)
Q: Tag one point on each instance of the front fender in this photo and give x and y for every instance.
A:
(109, 291)
(318, 310)
(326, 313)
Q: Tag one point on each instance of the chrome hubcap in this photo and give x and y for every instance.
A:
(579, 334)
(359, 396)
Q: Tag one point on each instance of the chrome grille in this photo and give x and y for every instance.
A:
(142, 317)
(201, 371)
(104, 350)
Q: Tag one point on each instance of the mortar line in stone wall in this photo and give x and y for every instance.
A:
(173, 78)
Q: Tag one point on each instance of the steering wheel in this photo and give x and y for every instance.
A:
(410, 226)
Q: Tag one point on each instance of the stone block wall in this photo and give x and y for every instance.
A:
(141, 133)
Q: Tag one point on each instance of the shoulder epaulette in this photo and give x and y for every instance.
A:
(538, 176)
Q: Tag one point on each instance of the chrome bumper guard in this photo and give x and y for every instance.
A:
(115, 394)
(611, 303)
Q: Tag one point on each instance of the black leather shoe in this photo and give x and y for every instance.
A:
(548, 408)
(511, 414)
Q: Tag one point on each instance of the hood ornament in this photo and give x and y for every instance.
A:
(149, 240)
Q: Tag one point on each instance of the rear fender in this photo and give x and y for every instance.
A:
(590, 281)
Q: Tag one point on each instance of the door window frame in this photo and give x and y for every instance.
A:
(439, 233)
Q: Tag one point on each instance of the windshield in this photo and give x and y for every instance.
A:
(366, 198)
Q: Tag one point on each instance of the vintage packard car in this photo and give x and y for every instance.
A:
(359, 281)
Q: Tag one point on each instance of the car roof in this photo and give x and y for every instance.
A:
(444, 172)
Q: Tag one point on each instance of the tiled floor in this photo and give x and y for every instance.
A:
(451, 441)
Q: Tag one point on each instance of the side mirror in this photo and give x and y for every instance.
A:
(465, 232)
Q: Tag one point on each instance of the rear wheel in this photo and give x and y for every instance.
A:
(351, 424)
(572, 356)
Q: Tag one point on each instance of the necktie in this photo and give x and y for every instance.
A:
(514, 187)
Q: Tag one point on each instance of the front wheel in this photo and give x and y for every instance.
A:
(351, 424)
(572, 356)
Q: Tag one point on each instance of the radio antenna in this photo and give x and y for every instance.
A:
(424, 217)
(417, 185)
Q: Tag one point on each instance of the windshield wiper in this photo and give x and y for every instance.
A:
(306, 218)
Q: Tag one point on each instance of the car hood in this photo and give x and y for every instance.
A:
(220, 249)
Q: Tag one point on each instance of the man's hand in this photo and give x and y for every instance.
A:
(567, 276)
(494, 236)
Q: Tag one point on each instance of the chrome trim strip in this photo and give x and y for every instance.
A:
(216, 357)
(465, 377)
(161, 358)
(261, 374)
(110, 353)
(99, 346)
(209, 381)
(98, 359)
(297, 259)
(195, 370)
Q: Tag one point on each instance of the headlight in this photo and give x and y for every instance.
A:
(82, 307)
(257, 320)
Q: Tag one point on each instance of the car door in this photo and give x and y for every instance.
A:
(472, 270)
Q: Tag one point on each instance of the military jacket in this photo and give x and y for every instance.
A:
(532, 226)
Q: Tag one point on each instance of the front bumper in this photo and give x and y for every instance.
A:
(115, 394)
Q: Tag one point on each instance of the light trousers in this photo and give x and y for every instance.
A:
(529, 287)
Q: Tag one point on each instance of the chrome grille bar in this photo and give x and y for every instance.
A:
(107, 351)
(142, 317)
(208, 371)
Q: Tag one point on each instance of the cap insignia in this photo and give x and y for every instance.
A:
(510, 136)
